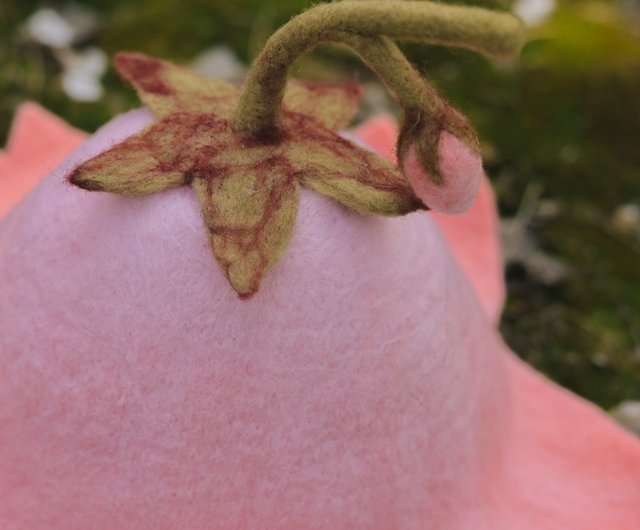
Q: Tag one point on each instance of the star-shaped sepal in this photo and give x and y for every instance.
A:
(248, 185)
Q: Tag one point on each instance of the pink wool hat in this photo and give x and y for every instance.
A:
(325, 368)
(364, 386)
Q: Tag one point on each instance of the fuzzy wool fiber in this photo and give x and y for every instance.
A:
(363, 386)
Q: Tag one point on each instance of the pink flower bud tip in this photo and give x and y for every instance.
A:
(461, 169)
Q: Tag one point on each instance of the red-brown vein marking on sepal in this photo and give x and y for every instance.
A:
(132, 167)
(334, 105)
(165, 155)
(337, 168)
(146, 71)
(250, 212)
(167, 89)
(248, 185)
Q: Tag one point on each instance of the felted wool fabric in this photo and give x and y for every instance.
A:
(38, 142)
(472, 236)
(461, 171)
(363, 386)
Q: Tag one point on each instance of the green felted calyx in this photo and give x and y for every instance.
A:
(166, 89)
(247, 183)
(247, 152)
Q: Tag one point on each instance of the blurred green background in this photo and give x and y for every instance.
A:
(560, 129)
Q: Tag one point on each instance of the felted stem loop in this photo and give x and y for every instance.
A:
(487, 32)
(425, 112)
(399, 76)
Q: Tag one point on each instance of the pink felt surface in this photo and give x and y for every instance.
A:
(473, 236)
(37, 143)
(363, 386)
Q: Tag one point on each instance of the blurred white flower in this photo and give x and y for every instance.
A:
(220, 62)
(81, 87)
(59, 30)
(62, 28)
(628, 414)
(82, 73)
(534, 12)
(626, 218)
(49, 28)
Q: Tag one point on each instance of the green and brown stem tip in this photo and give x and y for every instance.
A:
(246, 154)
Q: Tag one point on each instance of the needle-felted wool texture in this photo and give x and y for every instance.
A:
(430, 125)
(246, 151)
(472, 236)
(363, 386)
(248, 186)
(37, 143)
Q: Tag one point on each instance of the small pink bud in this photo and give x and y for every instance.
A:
(461, 169)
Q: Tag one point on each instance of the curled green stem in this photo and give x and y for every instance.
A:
(425, 112)
(362, 25)
(399, 76)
